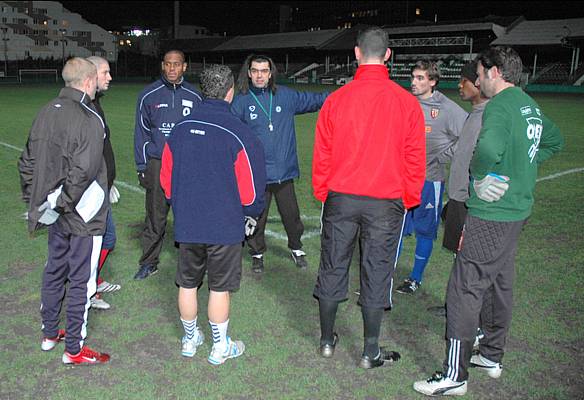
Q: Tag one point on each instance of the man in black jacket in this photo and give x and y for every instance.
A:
(64, 183)
(109, 238)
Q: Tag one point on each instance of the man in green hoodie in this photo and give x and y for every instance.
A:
(515, 137)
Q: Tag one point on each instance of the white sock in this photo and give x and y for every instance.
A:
(219, 332)
(190, 327)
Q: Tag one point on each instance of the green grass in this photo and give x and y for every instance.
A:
(275, 313)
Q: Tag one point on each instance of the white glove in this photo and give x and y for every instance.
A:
(114, 195)
(492, 187)
(52, 197)
(250, 226)
(49, 216)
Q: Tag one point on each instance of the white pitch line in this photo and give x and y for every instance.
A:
(11, 147)
(554, 176)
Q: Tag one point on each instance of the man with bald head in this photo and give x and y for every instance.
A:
(64, 184)
(160, 106)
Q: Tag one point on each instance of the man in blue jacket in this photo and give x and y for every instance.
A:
(160, 106)
(269, 111)
(213, 173)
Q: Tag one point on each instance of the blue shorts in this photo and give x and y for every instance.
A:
(425, 219)
(109, 237)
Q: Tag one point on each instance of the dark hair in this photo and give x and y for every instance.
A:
(431, 67)
(373, 42)
(469, 71)
(216, 80)
(506, 60)
(243, 79)
(180, 53)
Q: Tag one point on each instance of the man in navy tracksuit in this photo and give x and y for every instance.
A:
(269, 111)
(213, 173)
(160, 106)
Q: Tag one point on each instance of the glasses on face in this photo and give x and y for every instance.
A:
(255, 71)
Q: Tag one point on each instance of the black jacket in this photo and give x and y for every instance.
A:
(65, 147)
(108, 151)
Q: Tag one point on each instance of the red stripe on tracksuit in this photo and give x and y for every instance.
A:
(166, 171)
(244, 176)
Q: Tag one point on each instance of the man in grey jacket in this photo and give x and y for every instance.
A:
(444, 119)
(459, 178)
(64, 184)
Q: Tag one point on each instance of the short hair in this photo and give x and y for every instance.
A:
(469, 71)
(373, 42)
(243, 78)
(216, 80)
(97, 61)
(76, 70)
(180, 53)
(506, 60)
(429, 66)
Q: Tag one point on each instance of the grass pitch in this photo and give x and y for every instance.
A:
(275, 314)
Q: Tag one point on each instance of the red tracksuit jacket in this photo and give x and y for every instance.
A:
(370, 140)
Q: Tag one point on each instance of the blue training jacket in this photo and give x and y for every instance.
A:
(160, 106)
(213, 172)
(279, 144)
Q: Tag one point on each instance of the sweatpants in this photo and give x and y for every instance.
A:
(72, 259)
(289, 212)
(480, 286)
(156, 215)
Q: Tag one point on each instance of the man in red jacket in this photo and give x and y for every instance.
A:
(368, 167)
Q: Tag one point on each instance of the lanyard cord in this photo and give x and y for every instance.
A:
(269, 115)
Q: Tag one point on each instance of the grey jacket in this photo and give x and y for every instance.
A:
(459, 178)
(65, 147)
(444, 119)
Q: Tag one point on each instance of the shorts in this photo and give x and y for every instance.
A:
(109, 237)
(455, 215)
(221, 262)
(377, 224)
(424, 220)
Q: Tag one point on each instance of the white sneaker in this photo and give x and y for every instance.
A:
(106, 287)
(439, 385)
(189, 346)
(478, 337)
(99, 303)
(493, 369)
(234, 349)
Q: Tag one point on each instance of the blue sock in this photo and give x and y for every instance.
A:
(423, 252)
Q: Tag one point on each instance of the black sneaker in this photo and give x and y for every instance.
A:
(299, 258)
(384, 356)
(408, 287)
(145, 271)
(257, 264)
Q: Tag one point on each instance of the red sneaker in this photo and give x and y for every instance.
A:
(50, 343)
(85, 356)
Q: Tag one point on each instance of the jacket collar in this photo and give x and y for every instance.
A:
(216, 103)
(372, 71)
(75, 95)
(170, 85)
(258, 91)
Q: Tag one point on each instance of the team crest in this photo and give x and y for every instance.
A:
(434, 113)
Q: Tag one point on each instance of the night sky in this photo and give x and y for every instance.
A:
(252, 17)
